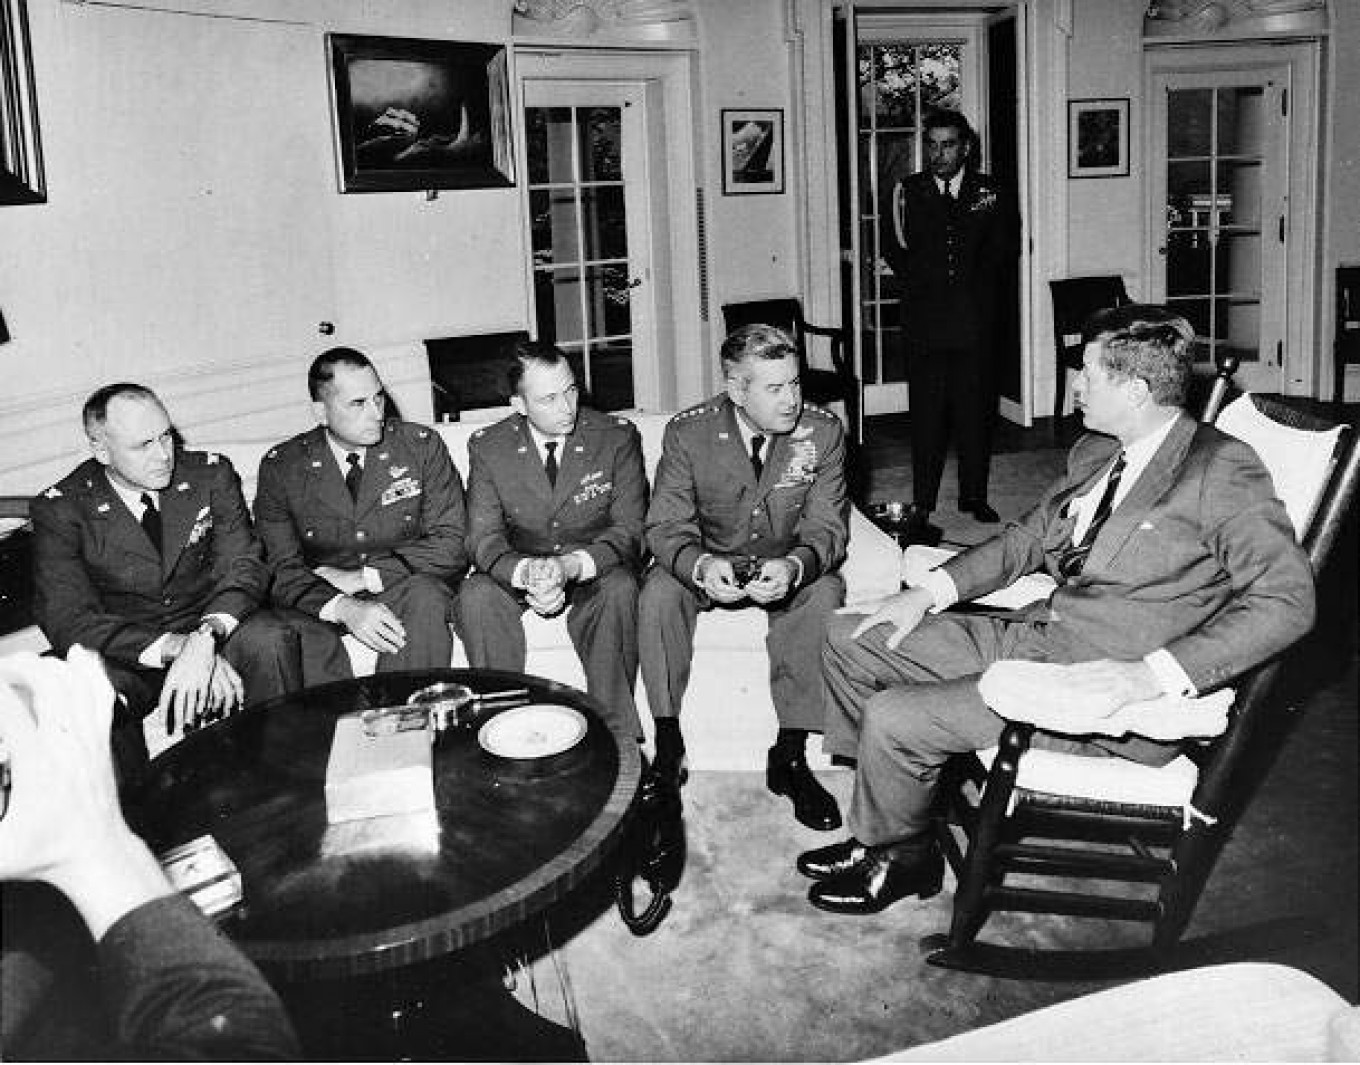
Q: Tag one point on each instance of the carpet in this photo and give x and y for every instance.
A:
(1017, 479)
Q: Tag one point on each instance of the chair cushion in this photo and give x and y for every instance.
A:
(1298, 460)
(1105, 779)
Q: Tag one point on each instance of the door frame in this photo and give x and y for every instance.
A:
(671, 289)
(1301, 61)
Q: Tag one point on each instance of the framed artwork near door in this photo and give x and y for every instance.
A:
(414, 114)
(752, 151)
(1098, 138)
(21, 165)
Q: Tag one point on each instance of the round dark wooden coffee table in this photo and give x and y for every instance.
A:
(322, 904)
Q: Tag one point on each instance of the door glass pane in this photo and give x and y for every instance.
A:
(600, 139)
(1241, 120)
(548, 140)
(1238, 323)
(1239, 190)
(1196, 311)
(608, 296)
(1189, 122)
(554, 229)
(611, 385)
(557, 304)
(1237, 264)
(606, 233)
(1187, 264)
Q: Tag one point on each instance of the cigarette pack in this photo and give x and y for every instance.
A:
(204, 872)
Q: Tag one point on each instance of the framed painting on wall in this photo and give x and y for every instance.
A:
(415, 114)
(752, 151)
(21, 166)
(1098, 138)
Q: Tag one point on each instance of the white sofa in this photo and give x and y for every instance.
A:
(728, 717)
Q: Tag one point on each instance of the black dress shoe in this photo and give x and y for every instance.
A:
(916, 528)
(980, 509)
(826, 862)
(876, 883)
(670, 771)
(813, 805)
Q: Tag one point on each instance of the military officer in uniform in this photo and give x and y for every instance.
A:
(950, 234)
(145, 553)
(363, 520)
(557, 494)
(749, 506)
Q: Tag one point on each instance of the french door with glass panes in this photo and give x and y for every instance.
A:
(1229, 233)
(584, 144)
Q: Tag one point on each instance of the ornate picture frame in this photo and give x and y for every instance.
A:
(1098, 138)
(752, 151)
(412, 114)
(21, 166)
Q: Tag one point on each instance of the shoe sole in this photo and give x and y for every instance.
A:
(857, 911)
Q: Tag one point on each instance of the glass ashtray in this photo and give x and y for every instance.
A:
(448, 704)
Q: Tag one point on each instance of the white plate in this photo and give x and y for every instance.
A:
(533, 731)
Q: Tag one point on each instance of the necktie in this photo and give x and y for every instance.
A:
(1074, 558)
(151, 521)
(354, 474)
(550, 462)
(757, 463)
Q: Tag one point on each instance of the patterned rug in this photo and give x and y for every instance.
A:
(1017, 479)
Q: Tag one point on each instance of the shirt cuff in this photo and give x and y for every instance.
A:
(588, 570)
(152, 656)
(327, 612)
(372, 579)
(797, 570)
(1171, 678)
(694, 573)
(941, 587)
(227, 622)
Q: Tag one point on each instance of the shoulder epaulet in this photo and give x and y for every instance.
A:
(52, 493)
(708, 408)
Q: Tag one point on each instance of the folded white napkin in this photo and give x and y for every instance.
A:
(1045, 695)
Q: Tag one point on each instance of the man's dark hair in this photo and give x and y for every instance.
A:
(947, 118)
(756, 341)
(524, 353)
(322, 370)
(1147, 341)
(96, 409)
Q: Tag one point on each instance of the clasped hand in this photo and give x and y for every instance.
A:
(200, 685)
(544, 580)
(718, 579)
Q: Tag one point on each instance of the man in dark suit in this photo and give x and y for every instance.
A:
(557, 494)
(145, 553)
(362, 519)
(1177, 570)
(950, 234)
(749, 506)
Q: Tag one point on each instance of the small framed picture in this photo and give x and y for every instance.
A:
(416, 114)
(752, 152)
(1098, 138)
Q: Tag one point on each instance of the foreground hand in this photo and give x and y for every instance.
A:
(1104, 686)
(349, 581)
(228, 691)
(373, 624)
(64, 824)
(187, 690)
(773, 582)
(719, 582)
(902, 611)
(546, 599)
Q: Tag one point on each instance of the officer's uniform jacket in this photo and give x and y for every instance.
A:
(408, 518)
(706, 499)
(598, 504)
(951, 256)
(101, 583)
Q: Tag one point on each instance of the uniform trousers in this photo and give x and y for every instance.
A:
(602, 619)
(667, 614)
(902, 713)
(275, 651)
(953, 387)
(424, 605)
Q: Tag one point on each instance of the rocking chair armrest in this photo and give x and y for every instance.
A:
(836, 334)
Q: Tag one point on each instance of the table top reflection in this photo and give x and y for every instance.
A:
(508, 837)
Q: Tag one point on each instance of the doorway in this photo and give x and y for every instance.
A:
(612, 265)
(1230, 186)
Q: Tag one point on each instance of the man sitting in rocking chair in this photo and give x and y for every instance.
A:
(1177, 570)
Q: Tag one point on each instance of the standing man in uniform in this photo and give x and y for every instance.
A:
(362, 519)
(145, 554)
(749, 506)
(557, 494)
(950, 234)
